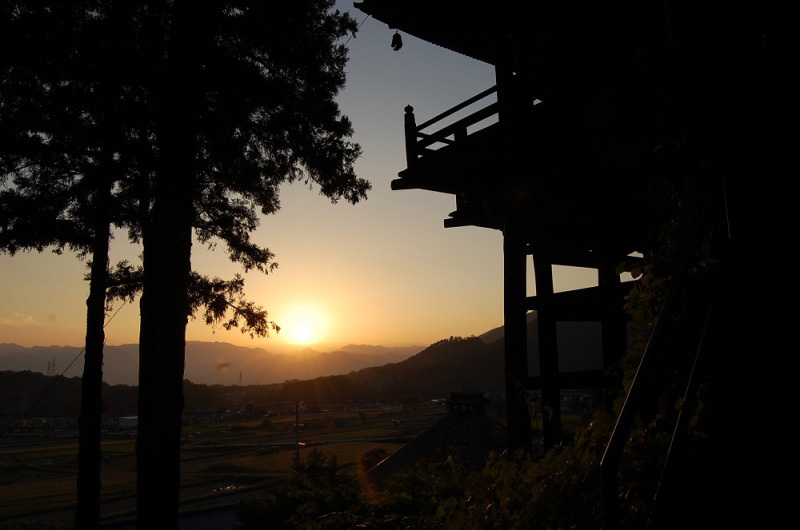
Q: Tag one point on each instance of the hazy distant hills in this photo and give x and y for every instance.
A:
(474, 363)
(352, 373)
(391, 372)
(211, 362)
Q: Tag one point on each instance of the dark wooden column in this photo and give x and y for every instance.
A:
(516, 340)
(613, 318)
(511, 105)
(515, 266)
(548, 351)
(613, 321)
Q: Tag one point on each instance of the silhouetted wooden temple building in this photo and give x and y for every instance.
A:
(547, 156)
(598, 107)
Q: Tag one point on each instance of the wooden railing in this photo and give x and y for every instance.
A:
(420, 138)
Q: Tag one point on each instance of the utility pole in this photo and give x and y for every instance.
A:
(297, 431)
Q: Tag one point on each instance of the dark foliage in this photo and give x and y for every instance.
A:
(371, 458)
(314, 489)
(61, 397)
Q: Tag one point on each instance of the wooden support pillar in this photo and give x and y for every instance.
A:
(505, 97)
(613, 327)
(613, 319)
(516, 339)
(511, 104)
(548, 351)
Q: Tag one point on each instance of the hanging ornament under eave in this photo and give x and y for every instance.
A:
(397, 41)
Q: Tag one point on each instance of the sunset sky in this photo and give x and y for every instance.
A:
(384, 271)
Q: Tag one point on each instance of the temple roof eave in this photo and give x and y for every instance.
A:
(462, 26)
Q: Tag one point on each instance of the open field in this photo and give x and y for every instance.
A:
(222, 461)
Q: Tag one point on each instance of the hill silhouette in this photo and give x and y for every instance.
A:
(353, 372)
(211, 362)
(457, 363)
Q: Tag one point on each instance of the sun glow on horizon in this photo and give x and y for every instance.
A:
(305, 325)
(302, 333)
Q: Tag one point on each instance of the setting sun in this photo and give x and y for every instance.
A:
(302, 333)
(305, 324)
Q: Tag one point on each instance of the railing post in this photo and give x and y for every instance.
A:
(411, 136)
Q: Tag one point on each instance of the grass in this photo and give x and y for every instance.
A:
(56, 449)
(347, 454)
(41, 495)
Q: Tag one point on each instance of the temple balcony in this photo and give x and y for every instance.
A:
(438, 150)
(534, 164)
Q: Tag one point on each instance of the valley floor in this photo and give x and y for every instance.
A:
(222, 461)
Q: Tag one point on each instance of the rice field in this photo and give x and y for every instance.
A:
(220, 462)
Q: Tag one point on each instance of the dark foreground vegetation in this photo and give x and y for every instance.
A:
(32, 394)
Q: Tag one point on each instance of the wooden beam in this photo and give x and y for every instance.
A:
(464, 104)
(516, 340)
(456, 127)
(615, 318)
(571, 253)
(590, 304)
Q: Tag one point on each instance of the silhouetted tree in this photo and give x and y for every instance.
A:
(61, 100)
(243, 99)
(76, 157)
(188, 116)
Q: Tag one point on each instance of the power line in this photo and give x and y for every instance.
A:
(61, 375)
(115, 314)
(359, 27)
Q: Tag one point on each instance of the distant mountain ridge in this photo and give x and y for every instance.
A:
(473, 363)
(210, 362)
(449, 365)
(455, 364)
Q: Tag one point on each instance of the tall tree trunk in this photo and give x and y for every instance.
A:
(164, 310)
(167, 266)
(87, 513)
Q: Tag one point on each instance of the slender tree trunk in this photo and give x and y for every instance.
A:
(164, 310)
(167, 267)
(87, 513)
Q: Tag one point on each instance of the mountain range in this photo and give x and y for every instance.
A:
(449, 365)
(452, 364)
(210, 362)
(455, 364)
